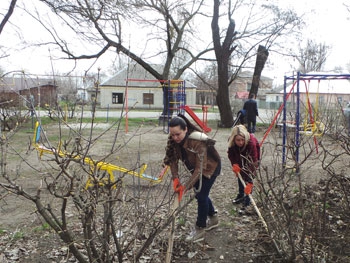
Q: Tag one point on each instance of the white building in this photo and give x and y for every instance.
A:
(139, 88)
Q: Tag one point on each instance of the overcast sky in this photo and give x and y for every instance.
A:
(327, 22)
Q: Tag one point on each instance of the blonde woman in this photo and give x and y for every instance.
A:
(244, 157)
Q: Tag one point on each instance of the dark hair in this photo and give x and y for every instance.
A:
(252, 96)
(183, 122)
(178, 121)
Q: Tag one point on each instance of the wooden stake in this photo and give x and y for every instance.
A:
(175, 206)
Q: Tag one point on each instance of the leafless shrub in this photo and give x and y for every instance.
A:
(101, 212)
(305, 202)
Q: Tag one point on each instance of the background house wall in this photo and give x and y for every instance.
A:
(143, 90)
(10, 99)
(138, 97)
(240, 87)
(44, 95)
(22, 91)
(135, 98)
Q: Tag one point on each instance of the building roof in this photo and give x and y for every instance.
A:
(137, 76)
(249, 74)
(16, 84)
(242, 95)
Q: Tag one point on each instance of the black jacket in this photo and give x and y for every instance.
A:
(251, 109)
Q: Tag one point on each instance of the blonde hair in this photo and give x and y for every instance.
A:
(239, 130)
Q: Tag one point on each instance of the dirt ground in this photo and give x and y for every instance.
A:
(238, 238)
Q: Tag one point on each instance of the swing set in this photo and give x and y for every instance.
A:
(95, 165)
(311, 125)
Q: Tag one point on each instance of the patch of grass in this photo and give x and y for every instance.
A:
(111, 120)
(327, 205)
(135, 122)
(233, 212)
(295, 190)
(181, 221)
(18, 235)
(43, 227)
(227, 224)
(2, 231)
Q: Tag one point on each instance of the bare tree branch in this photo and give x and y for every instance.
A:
(8, 15)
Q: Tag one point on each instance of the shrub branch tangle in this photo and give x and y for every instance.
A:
(309, 215)
(105, 221)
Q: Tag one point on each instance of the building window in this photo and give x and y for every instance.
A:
(148, 98)
(117, 98)
(248, 86)
(321, 100)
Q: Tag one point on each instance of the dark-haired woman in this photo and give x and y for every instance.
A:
(188, 144)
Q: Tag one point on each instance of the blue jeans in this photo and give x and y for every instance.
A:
(205, 205)
(246, 201)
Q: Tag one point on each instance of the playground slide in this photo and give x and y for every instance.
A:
(204, 127)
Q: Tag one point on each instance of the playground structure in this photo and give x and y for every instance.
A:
(311, 126)
(201, 123)
(176, 102)
(95, 165)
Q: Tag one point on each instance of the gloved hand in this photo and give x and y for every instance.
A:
(180, 191)
(178, 188)
(236, 169)
(248, 188)
(176, 183)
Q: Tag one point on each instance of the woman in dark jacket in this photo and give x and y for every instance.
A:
(244, 158)
(193, 148)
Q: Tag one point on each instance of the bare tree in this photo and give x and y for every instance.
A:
(103, 23)
(206, 82)
(347, 7)
(239, 47)
(172, 36)
(312, 57)
(261, 58)
(68, 90)
(223, 53)
(4, 21)
(8, 15)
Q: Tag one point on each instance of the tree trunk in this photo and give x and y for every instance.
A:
(223, 53)
(223, 98)
(261, 58)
